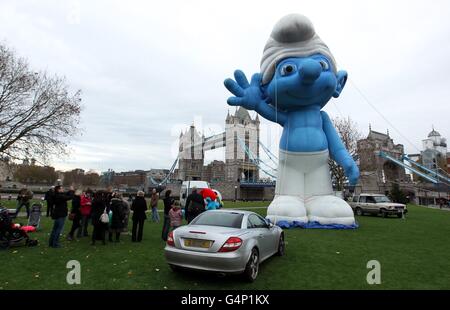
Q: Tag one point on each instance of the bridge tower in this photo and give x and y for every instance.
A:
(377, 173)
(241, 128)
(191, 155)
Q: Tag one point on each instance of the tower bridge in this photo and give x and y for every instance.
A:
(238, 165)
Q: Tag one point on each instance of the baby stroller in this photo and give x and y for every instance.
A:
(35, 215)
(13, 234)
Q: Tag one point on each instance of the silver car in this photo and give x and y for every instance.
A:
(224, 241)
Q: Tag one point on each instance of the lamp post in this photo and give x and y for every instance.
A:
(235, 193)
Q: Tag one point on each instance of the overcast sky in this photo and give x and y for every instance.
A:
(147, 69)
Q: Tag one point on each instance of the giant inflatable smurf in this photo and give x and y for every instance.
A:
(298, 77)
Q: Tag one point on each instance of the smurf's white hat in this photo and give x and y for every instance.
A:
(292, 36)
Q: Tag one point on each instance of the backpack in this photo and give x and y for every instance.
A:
(195, 207)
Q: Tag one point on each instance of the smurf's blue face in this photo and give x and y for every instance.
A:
(305, 81)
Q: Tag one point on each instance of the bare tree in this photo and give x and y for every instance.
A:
(38, 114)
(348, 131)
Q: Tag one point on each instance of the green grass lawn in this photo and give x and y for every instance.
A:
(414, 254)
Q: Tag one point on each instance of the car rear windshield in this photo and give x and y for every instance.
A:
(212, 218)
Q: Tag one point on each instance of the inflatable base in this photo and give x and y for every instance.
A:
(315, 225)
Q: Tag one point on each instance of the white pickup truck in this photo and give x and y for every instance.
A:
(377, 204)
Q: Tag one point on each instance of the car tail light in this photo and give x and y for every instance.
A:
(232, 244)
(170, 240)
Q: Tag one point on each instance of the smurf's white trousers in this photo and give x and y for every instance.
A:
(304, 192)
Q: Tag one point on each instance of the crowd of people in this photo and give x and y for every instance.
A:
(109, 212)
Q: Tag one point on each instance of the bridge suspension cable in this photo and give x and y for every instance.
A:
(255, 160)
(269, 154)
(430, 178)
(166, 179)
(433, 173)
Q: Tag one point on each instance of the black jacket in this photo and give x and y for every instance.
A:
(98, 207)
(139, 206)
(60, 200)
(168, 202)
(194, 201)
(118, 213)
(76, 205)
(49, 197)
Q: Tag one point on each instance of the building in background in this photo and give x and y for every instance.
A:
(130, 180)
(6, 170)
(377, 173)
(434, 154)
(448, 162)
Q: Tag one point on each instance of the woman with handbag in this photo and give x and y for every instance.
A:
(75, 214)
(100, 218)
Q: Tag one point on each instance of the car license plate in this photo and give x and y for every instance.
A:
(205, 244)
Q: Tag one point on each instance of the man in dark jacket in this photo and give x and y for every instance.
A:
(49, 198)
(23, 199)
(194, 205)
(59, 214)
(138, 207)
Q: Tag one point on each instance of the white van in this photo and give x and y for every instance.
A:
(186, 189)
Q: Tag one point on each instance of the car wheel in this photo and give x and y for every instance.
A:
(252, 267)
(359, 211)
(384, 214)
(281, 246)
(400, 215)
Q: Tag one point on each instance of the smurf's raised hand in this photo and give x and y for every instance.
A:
(248, 95)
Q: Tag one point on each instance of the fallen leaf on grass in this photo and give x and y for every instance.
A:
(338, 252)
(156, 269)
(165, 287)
(14, 252)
